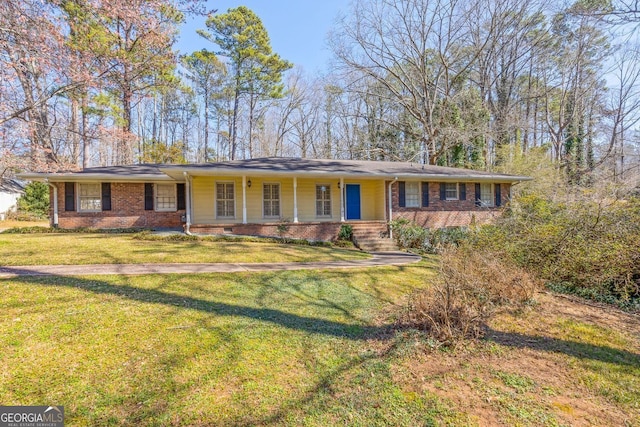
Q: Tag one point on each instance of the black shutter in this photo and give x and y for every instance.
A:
(69, 196)
(443, 191)
(478, 199)
(148, 197)
(425, 194)
(182, 202)
(498, 196)
(106, 196)
(462, 187)
(402, 197)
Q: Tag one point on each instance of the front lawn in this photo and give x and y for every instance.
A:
(94, 248)
(315, 348)
(245, 349)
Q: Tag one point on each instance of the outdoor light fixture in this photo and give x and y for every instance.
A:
(339, 184)
(249, 183)
(323, 188)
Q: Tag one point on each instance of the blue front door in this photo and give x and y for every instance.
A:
(353, 201)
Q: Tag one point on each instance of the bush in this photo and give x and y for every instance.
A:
(589, 244)
(346, 232)
(35, 200)
(411, 236)
(471, 288)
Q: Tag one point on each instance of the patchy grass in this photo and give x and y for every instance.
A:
(559, 363)
(285, 348)
(11, 223)
(87, 248)
(304, 348)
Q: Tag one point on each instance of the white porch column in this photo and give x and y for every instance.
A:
(295, 199)
(187, 202)
(342, 190)
(244, 199)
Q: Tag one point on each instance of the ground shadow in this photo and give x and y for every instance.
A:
(354, 331)
(576, 349)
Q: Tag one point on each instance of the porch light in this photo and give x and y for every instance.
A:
(339, 184)
(249, 183)
(323, 188)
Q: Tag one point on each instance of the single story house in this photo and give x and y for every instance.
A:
(10, 192)
(304, 198)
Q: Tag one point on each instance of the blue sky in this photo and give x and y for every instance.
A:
(297, 28)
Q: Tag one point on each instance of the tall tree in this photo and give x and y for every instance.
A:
(207, 73)
(257, 71)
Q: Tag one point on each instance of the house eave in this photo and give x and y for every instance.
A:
(91, 177)
(177, 173)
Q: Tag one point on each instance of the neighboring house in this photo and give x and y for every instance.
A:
(10, 192)
(308, 198)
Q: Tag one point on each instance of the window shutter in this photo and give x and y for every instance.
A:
(498, 196)
(425, 194)
(148, 197)
(478, 199)
(69, 196)
(181, 202)
(462, 188)
(402, 199)
(106, 196)
(443, 191)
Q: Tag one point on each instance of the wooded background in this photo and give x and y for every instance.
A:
(479, 84)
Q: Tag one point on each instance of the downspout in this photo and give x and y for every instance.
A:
(55, 202)
(187, 194)
(395, 178)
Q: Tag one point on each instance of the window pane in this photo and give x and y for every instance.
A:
(451, 190)
(412, 194)
(90, 197)
(271, 201)
(165, 197)
(225, 203)
(323, 200)
(486, 194)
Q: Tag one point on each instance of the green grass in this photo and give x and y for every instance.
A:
(94, 248)
(292, 348)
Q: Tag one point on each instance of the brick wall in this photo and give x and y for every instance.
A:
(448, 213)
(127, 210)
(314, 231)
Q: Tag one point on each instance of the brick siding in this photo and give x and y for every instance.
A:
(448, 213)
(127, 210)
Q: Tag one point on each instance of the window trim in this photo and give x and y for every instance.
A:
(457, 197)
(492, 200)
(215, 199)
(155, 197)
(330, 215)
(279, 215)
(79, 197)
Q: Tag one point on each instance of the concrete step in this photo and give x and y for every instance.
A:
(376, 244)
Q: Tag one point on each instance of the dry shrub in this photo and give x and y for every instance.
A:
(472, 286)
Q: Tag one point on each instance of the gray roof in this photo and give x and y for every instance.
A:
(286, 166)
(294, 166)
(11, 186)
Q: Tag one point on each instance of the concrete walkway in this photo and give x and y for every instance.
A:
(378, 259)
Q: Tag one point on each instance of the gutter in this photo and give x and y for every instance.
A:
(55, 202)
(187, 195)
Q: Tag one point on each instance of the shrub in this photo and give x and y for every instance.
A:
(35, 200)
(346, 232)
(409, 235)
(472, 286)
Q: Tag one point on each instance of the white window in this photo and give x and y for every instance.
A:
(89, 197)
(225, 200)
(486, 195)
(271, 200)
(412, 194)
(165, 197)
(323, 200)
(451, 191)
